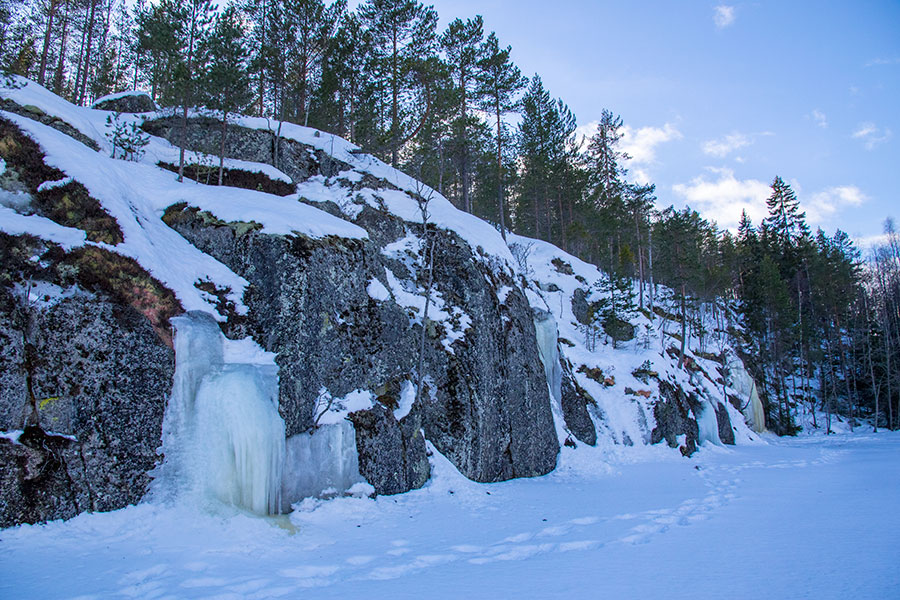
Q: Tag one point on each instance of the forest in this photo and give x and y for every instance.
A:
(816, 317)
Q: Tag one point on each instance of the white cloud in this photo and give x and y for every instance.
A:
(883, 61)
(722, 147)
(819, 117)
(639, 143)
(723, 199)
(871, 135)
(723, 16)
(823, 205)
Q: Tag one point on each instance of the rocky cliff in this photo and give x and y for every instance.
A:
(329, 261)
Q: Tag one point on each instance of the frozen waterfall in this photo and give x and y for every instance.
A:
(744, 385)
(223, 438)
(548, 351)
(548, 348)
(708, 424)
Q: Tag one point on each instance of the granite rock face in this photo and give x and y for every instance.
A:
(674, 414)
(392, 454)
(136, 102)
(485, 404)
(726, 431)
(87, 380)
(575, 403)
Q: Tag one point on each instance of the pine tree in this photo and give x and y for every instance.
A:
(225, 78)
(315, 25)
(404, 37)
(196, 19)
(499, 81)
(462, 43)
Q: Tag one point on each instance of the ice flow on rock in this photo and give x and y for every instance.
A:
(223, 438)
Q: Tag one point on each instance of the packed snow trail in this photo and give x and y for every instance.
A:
(801, 518)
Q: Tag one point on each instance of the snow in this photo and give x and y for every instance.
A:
(49, 185)
(137, 194)
(19, 202)
(14, 223)
(331, 411)
(377, 291)
(795, 518)
(407, 398)
(12, 435)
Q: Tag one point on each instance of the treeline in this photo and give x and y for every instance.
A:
(819, 325)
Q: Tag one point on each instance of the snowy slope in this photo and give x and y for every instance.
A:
(623, 411)
(137, 193)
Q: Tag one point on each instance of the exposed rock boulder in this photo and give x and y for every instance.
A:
(726, 431)
(619, 330)
(392, 454)
(126, 102)
(674, 418)
(575, 401)
(298, 161)
(581, 308)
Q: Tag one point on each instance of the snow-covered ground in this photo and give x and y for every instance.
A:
(813, 517)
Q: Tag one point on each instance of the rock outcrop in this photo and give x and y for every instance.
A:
(126, 102)
(487, 405)
(86, 377)
(674, 414)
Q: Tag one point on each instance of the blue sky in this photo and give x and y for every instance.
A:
(720, 97)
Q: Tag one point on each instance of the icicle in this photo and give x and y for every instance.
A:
(744, 385)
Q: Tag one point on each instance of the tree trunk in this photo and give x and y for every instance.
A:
(500, 173)
(82, 91)
(60, 66)
(46, 46)
(222, 145)
(683, 328)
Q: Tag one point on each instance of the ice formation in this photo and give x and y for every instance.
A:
(320, 463)
(708, 425)
(223, 438)
(548, 349)
(744, 385)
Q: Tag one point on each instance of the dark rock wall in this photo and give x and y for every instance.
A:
(675, 417)
(90, 378)
(486, 406)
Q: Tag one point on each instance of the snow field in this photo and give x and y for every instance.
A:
(798, 518)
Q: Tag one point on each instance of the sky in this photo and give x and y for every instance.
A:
(720, 97)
